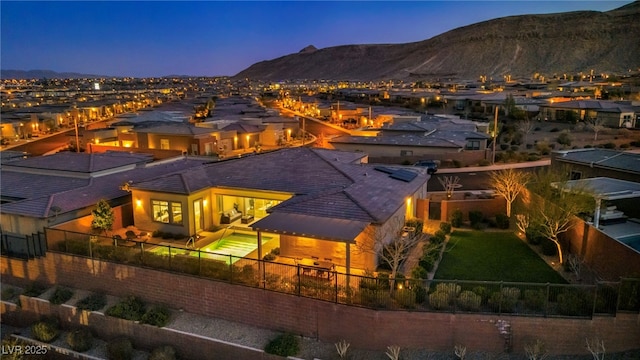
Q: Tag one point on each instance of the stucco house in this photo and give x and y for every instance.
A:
(315, 203)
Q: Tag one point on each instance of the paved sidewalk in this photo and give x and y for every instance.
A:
(528, 164)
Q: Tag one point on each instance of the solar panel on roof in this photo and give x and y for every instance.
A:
(403, 175)
(385, 170)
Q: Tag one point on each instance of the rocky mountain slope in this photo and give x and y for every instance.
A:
(606, 42)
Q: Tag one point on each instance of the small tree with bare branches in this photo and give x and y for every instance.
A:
(525, 127)
(556, 205)
(596, 125)
(449, 183)
(509, 183)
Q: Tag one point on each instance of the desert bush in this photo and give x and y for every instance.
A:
(156, 316)
(609, 145)
(120, 349)
(502, 221)
(34, 289)
(45, 330)
(452, 290)
(93, 302)
(484, 162)
(80, 339)
(8, 293)
(164, 352)
(475, 217)
(535, 299)
(445, 227)
(131, 308)
(421, 294)
(419, 272)
(574, 302)
(61, 295)
(456, 218)
(469, 301)
(439, 300)
(564, 139)
(406, 298)
(283, 345)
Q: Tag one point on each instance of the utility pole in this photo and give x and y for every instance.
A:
(495, 134)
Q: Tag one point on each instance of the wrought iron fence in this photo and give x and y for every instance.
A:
(451, 296)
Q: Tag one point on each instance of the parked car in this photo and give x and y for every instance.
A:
(432, 166)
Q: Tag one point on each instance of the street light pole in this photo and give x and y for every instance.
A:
(75, 123)
(495, 134)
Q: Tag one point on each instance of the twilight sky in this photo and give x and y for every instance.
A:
(210, 38)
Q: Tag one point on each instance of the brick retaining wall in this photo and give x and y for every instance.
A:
(363, 328)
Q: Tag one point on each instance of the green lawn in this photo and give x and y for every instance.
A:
(493, 256)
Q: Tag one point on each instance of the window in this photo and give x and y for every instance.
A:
(473, 145)
(575, 175)
(164, 144)
(167, 212)
(406, 152)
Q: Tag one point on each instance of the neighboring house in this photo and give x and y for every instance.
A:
(189, 139)
(43, 191)
(432, 138)
(321, 203)
(609, 113)
(590, 163)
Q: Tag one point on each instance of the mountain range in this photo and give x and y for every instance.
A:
(520, 46)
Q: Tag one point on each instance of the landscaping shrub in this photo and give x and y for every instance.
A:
(166, 235)
(421, 294)
(275, 251)
(61, 295)
(606, 300)
(269, 257)
(457, 163)
(475, 216)
(574, 302)
(283, 345)
(156, 316)
(439, 300)
(505, 300)
(535, 299)
(469, 301)
(419, 272)
(406, 298)
(533, 157)
(456, 218)
(426, 262)
(93, 302)
(485, 162)
(437, 238)
(502, 221)
(548, 247)
(45, 330)
(8, 293)
(504, 147)
(564, 139)
(452, 290)
(635, 143)
(80, 340)
(512, 148)
(157, 233)
(533, 235)
(625, 146)
(481, 291)
(131, 308)
(34, 289)
(164, 352)
(120, 349)
(609, 145)
(445, 227)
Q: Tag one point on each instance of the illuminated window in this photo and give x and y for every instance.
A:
(167, 212)
(164, 144)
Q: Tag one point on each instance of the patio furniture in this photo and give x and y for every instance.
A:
(246, 219)
(230, 216)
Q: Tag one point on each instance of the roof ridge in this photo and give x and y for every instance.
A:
(333, 166)
(377, 219)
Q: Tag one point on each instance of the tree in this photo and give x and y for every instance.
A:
(596, 125)
(509, 183)
(449, 183)
(103, 216)
(553, 210)
(525, 127)
(395, 251)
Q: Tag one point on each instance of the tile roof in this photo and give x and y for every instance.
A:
(398, 140)
(79, 162)
(604, 158)
(174, 129)
(70, 194)
(324, 183)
